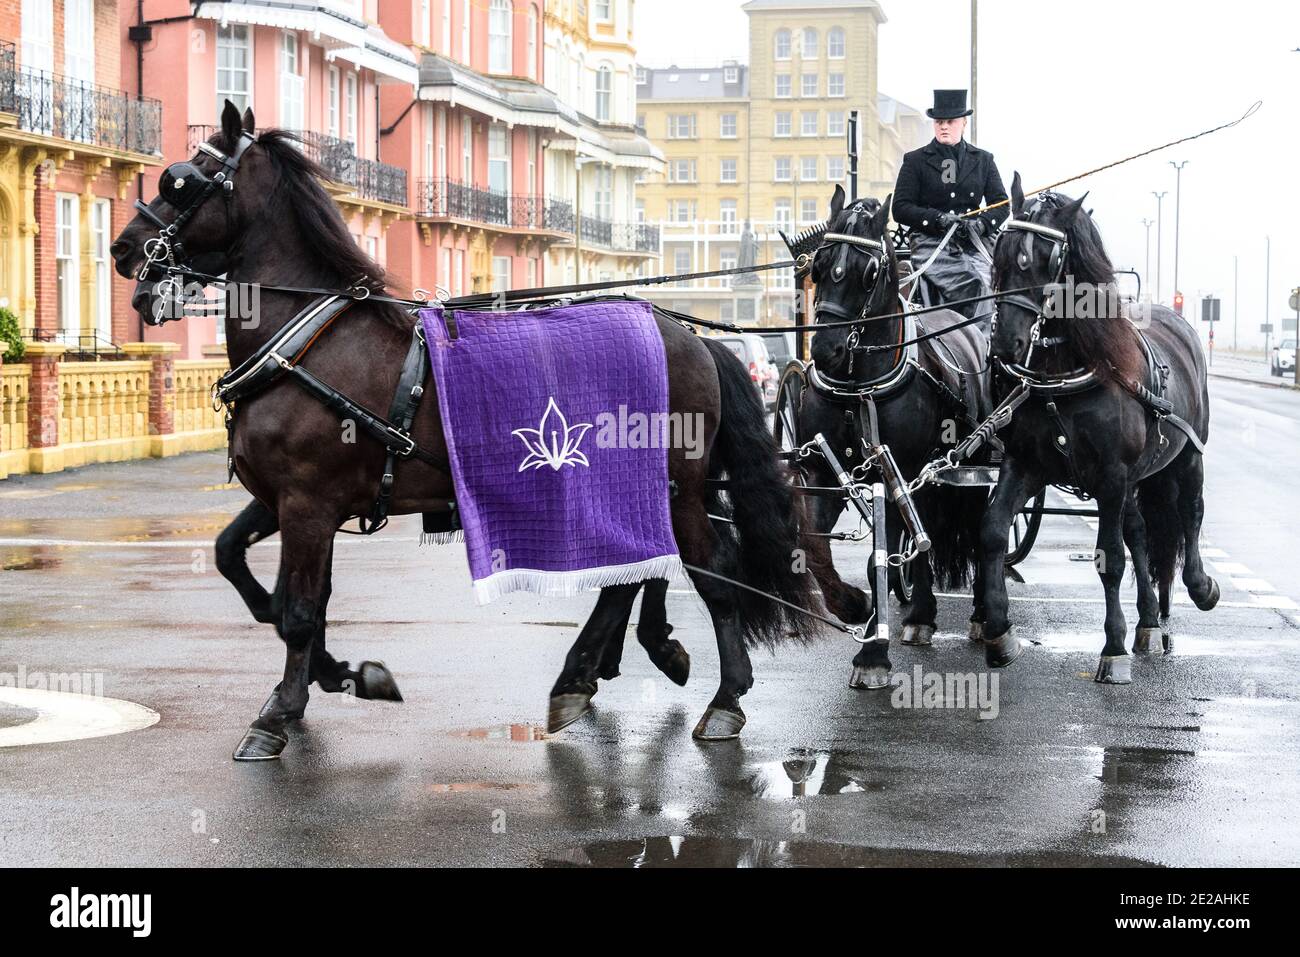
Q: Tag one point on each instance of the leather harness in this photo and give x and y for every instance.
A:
(282, 356)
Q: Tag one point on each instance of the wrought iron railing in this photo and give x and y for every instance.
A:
(620, 237)
(55, 105)
(8, 78)
(368, 178)
(437, 198)
(82, 346)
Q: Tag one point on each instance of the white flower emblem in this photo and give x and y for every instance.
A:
(554, 442)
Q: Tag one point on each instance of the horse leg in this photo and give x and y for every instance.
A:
(371, 681)
(1135, 537)
(306, 537)
(574, 688)
(653, 632)
(250, 526)
(700, 545)
(919, 622)
(871, 665)
(974, 502)
(1203, 590)
(1112, 497)
(846, 602)
(1015, 487)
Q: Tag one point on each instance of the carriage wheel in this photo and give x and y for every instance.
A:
(900, 578)
(1024, 529)
(789, 394)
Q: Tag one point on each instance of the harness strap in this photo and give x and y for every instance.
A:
(406, 402)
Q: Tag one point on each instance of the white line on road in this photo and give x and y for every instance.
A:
(62, 716)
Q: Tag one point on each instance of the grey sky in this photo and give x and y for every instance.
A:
(1068, 85)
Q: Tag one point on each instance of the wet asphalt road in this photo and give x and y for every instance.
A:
(108, 570)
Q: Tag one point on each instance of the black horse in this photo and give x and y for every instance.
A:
(277, 226)
(1118, 409)
(927, 397)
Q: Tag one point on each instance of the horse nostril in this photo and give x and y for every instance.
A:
(119, 249)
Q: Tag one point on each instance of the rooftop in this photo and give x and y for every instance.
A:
(697, 83)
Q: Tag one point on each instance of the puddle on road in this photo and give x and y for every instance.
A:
(11, 716)
(504, 732)
(203, 526)
(13, 563)
(679, 851)
(459, 787)
(808, 772)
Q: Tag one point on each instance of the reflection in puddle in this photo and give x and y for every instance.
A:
(678, 851)
(458, 787)
(505, 732)
(808, 772)
(12, 563)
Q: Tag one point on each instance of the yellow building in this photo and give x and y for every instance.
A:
(764, 144)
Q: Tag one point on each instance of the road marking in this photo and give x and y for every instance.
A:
(1252, 584)
(62, 716)
(1231, 568)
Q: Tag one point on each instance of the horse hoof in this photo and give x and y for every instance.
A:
(566, 709)
(918, 634)
(719, 725)
(872, 677)
(1167, 642)
(377, 683)
(259, 745)
(671, 658)
(1114, 670)
(1211, 599)
(1000, 652)
(1142, 640)
(976, 632)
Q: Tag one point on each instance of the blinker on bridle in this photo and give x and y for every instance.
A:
(1056, 265)
(186, 188)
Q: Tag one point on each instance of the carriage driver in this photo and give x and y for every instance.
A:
(936, 184)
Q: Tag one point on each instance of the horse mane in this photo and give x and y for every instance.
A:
(320, 222)
(1106, 342)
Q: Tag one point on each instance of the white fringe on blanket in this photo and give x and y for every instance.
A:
(550, 584)
(442, 538)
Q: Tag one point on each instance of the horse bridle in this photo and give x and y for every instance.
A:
(185, 188)
(1057, 262)
(876, 252)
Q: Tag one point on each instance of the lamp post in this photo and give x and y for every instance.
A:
(1146, 274)
(1160, 227)
(974, 67)
(1178, 208)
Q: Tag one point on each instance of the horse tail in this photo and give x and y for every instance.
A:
(1157, 498)
(953, 522)
(764, 538)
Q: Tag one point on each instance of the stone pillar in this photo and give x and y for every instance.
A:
(43, 406)
(162, 393)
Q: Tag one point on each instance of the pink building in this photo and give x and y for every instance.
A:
(321, 67)
(473, 136)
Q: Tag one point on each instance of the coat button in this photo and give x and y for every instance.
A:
(972, 194)
(952, 195)
(925, 222)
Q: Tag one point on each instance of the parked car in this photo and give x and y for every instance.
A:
(1282, 361)
(751, 350)
(780, 346)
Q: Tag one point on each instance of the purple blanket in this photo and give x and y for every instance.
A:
(554, 493)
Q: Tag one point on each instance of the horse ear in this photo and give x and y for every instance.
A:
(837, 201)
(249, 123)
(1074, 209)
(1017, 195)
(880, 221)
(230, 125)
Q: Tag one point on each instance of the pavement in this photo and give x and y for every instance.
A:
(107, 577)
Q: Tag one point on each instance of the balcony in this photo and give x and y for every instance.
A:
(367, 178)
(620, 237)
(449, 199)
(48, 104)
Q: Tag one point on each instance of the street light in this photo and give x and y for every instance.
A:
(1160, 226)
(1146, 275)
(1178, 207)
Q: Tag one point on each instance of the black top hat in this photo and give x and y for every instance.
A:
(949, 105)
